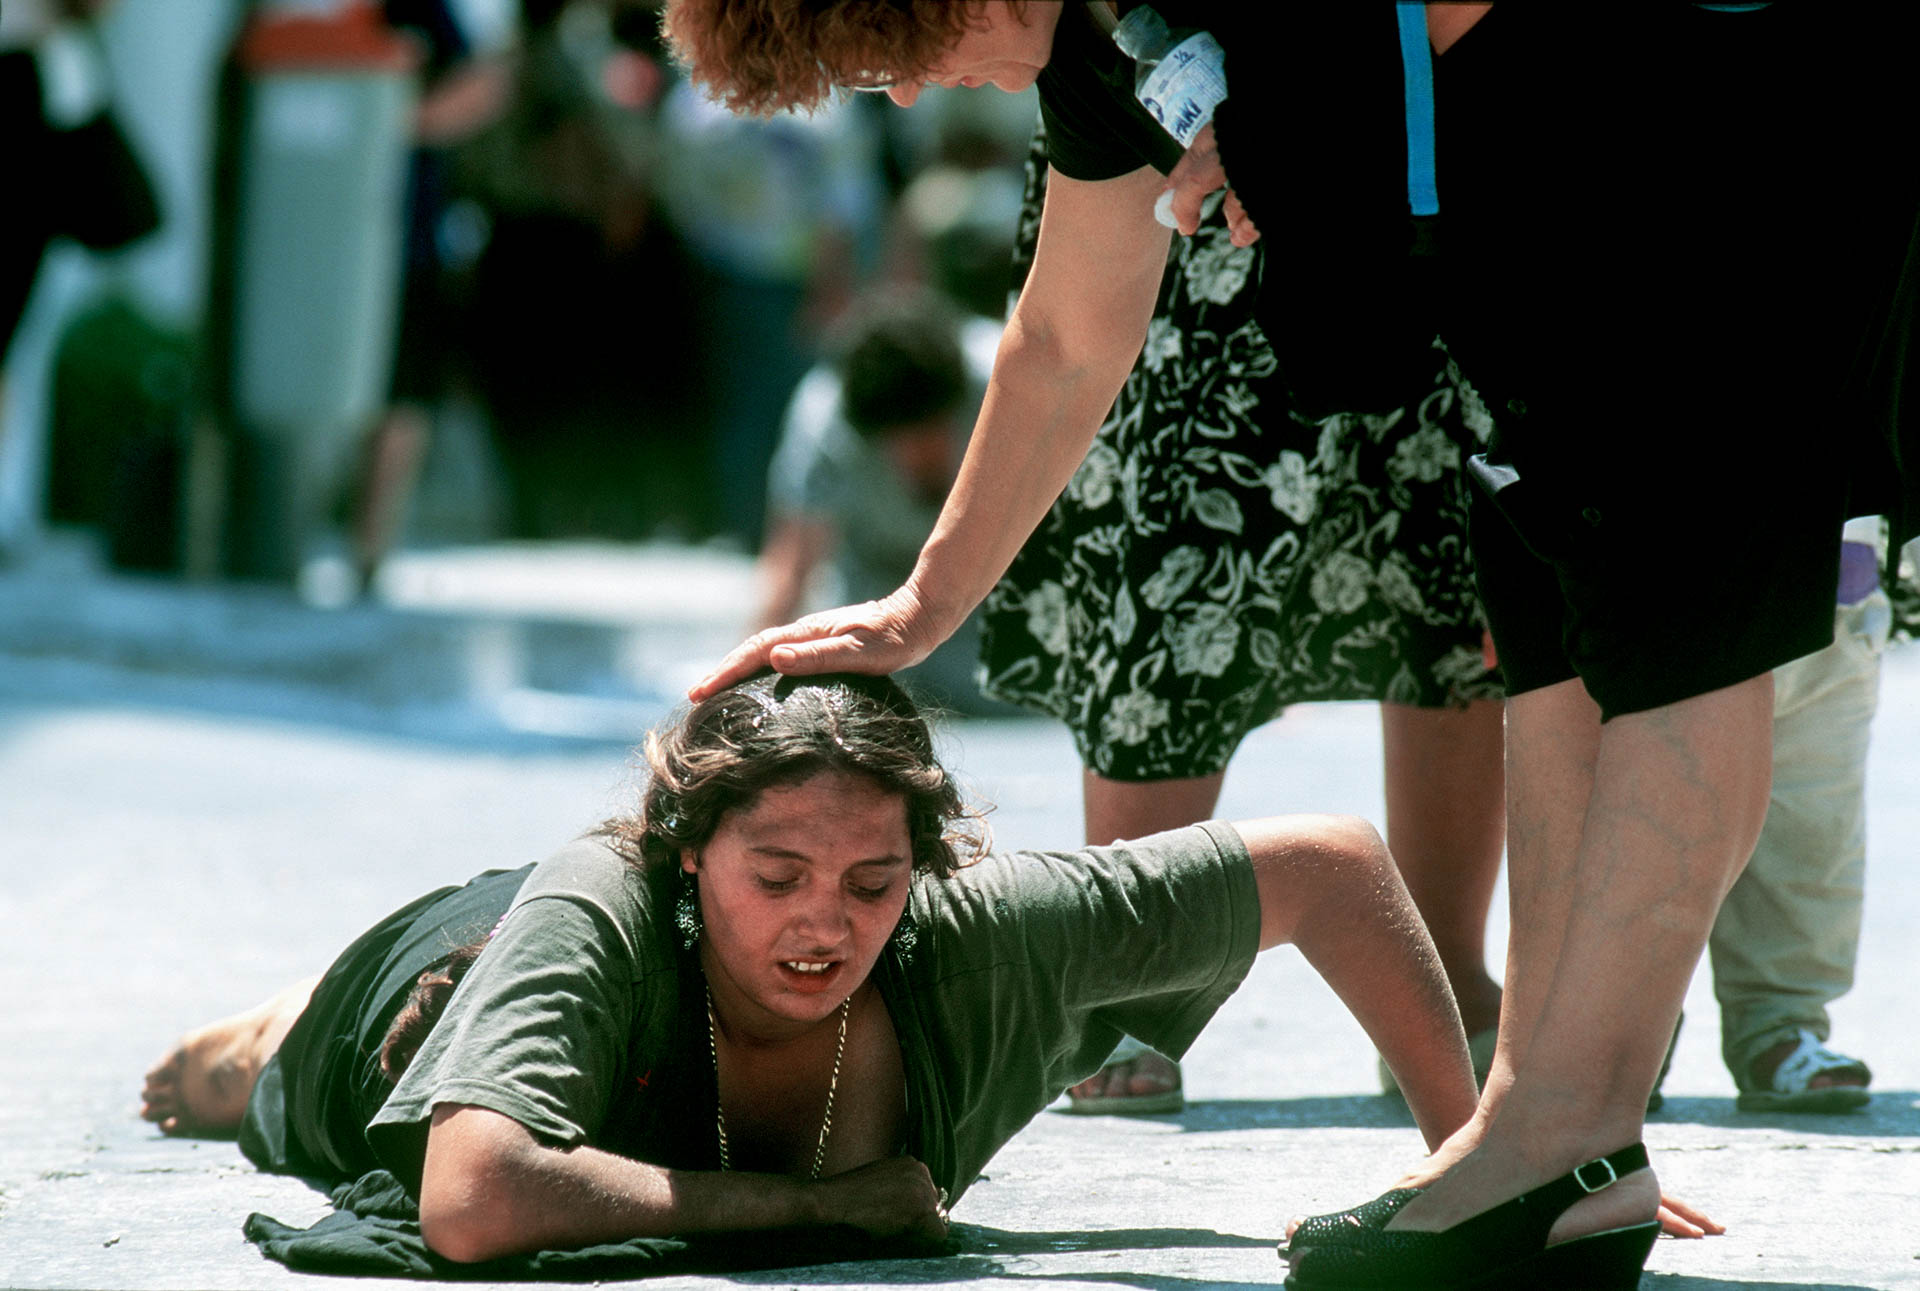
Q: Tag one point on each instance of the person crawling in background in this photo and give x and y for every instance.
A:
(868, 450)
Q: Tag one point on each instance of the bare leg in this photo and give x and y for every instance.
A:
(1116, 809)
(1446, 823)
(203, 1084)
(1553, 741)
(389, 470)
(1614, 891)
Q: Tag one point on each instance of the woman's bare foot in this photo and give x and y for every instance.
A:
(202, 1086)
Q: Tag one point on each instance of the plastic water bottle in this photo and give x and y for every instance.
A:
(1180, 75)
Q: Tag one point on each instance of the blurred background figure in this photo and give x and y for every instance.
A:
(781, 217)
(74, 173)
(441, 272)
(869, 448)
(1785, 942)
(463, 87)
(578, 327)
(957, 160)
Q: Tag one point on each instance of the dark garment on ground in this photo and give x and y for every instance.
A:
(375, 1232)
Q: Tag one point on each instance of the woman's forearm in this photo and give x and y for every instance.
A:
(1067, 350)
(489, 1189)
(1040, 416)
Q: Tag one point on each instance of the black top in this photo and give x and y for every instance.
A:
(1096, 129)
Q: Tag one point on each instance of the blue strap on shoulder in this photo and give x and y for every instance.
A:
(1416, 57)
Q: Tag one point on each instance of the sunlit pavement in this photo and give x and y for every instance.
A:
(180, 835)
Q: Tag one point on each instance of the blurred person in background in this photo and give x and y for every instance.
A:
(578, 321)
(71, 172)
(1784, 944)
(868, 450)
(779, 216)
(958, 159)
(463, 88)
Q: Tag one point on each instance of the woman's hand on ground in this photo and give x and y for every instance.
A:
(1678, 1219)
(1198, 173)
(880, 636)
(895, 1197)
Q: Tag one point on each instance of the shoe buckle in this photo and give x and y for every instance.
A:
(1580, 1175)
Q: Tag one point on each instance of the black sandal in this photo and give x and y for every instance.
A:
(1502, 1249)
(1339, 1225)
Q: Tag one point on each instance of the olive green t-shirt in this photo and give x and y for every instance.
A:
(584, 1018)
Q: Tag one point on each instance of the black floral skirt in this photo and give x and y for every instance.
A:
(1217, 558)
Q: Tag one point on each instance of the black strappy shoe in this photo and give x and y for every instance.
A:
(1339, 1225)
(1502, 1249)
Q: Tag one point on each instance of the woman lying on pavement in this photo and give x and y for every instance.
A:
(789, 990)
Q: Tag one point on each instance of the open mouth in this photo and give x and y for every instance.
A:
(809, 974)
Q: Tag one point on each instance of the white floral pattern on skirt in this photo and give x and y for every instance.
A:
(1215, 558)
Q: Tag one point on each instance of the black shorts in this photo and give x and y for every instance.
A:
(1646, 611)
(1658, 276)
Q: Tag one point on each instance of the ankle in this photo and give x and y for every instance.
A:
(1469, 1136)
(1634, 1199)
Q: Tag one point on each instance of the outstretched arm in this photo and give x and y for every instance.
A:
(1067, 349)
(1328, 885)
(489, 1188)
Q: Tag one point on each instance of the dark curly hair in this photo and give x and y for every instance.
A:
(724, 752)
(766, 56)
(770, 731)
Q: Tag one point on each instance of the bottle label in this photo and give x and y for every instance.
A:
(1185, 87)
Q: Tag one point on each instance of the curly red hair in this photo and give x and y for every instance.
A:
(765, 56)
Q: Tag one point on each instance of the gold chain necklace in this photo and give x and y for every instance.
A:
(833, 1087)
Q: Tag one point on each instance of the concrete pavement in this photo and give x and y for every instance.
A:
(175, 843)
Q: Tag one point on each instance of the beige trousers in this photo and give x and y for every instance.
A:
(1784, 943)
